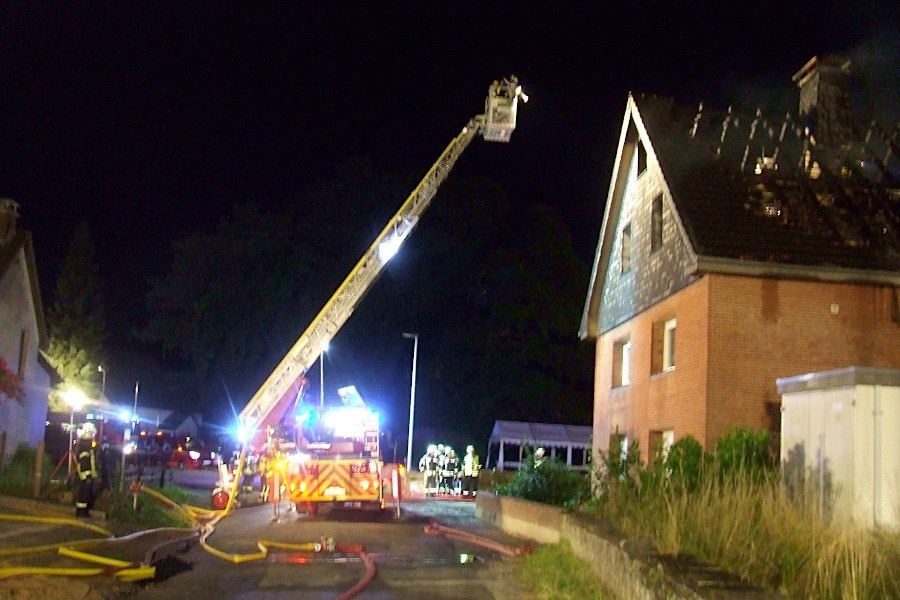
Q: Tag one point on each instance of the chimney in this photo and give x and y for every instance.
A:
(9, 214)
(825, 99)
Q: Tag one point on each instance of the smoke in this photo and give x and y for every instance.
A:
(876, 79)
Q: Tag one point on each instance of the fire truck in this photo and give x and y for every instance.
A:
(331, 454)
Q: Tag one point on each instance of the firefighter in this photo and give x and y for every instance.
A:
(428, 464)
(86, 466)
(262, 468)
(452, 471)
(470, 471)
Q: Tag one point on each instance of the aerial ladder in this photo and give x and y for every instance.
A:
(281, 389)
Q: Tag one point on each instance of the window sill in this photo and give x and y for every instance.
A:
(663, 372)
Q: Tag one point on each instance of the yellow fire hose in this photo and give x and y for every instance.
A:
(124, 570)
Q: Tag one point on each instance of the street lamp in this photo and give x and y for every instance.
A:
(75, 398)
(412, 397)
(325, 346)
(102, 372)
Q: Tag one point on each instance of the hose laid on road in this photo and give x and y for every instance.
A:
(370, 574)
(435, 528)
(56, 521)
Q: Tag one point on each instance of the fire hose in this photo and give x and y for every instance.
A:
(204, 520)
(435, 528)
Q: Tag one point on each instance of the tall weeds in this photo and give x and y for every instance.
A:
(741, 518)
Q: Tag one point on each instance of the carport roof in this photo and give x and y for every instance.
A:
(547, 434)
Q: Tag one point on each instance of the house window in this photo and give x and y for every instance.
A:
(23, 353)
(661, 442)
(626, 248)
(656, 237)
(621, 362)
(663, 358)
(641, 155)
(669, 345)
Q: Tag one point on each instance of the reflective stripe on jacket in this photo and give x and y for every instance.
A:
(87, 463)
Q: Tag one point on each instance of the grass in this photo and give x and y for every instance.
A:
(18, 474)
(554, 573)
(150, 514)
(753, 528)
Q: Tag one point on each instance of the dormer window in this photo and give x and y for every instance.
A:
(641, 155)
(656, 225)
(626, 248)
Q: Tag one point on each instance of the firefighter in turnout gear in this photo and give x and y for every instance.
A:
(428, 464)
(86, 464)
(470, 472)
(451, 472)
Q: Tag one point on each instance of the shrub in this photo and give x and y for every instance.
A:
(743, 451)
(18, 474)
(551, 482)
(685, 462)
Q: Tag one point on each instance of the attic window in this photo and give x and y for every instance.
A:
(656, 224)
(626, 248)
(641, 155)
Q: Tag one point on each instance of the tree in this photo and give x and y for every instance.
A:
(75, 321)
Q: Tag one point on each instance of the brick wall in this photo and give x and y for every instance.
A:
(762, 329)
(673, 399)
(735, 336)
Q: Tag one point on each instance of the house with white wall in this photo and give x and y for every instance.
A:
(23, 334)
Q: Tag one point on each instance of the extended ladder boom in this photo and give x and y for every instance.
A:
(495, 125)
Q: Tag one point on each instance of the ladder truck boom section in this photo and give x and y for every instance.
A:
(279, 390)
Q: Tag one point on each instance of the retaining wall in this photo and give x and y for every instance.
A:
(628, 569)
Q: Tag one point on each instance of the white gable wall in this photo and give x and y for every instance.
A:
(23, 422)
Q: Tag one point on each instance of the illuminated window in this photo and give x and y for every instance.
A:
(656, 225)
(626, 248)
(663, 358)
(621, 362)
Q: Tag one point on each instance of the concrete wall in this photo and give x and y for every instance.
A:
(628, 569)
(524, 519)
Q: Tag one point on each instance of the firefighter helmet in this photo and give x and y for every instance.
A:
(88, 431)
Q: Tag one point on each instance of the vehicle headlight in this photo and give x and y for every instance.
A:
(194, 455)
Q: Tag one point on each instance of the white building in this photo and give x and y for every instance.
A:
(22, 335)
(839, 429)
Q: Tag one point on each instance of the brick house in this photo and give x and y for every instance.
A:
(22, 335)
(737, 249)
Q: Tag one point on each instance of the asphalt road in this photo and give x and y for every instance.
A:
(410, 563)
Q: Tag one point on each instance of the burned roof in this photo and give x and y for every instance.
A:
(760, 187)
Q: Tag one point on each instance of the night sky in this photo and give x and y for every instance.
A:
(150, 120)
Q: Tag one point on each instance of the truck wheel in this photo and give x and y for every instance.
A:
(220, 499)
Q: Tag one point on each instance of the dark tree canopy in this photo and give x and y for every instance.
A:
(494, 291)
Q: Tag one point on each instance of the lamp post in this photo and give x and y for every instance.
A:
(412, 397)
(75, 398)
(102, 372)
(325, 346)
